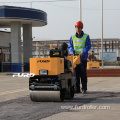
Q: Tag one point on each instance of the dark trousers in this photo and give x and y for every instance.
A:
(80, 72)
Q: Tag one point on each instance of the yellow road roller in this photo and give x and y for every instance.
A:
(53, 78)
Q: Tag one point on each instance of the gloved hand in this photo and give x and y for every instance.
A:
(81, 54)
(74, 53)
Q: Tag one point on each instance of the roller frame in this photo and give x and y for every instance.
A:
(63, 87)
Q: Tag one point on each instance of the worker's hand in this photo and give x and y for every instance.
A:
(88, 60)
(81, 54)
(74, 53)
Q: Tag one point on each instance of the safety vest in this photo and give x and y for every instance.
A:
(79, 43)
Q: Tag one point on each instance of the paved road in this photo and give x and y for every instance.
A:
(16, 105)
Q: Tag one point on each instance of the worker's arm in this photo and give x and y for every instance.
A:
(87, 46)
(70, 47)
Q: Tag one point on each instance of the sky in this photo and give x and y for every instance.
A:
(63, 15)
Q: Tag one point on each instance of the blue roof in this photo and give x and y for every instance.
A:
(25, 15)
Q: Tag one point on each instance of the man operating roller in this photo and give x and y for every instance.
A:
(79, 44)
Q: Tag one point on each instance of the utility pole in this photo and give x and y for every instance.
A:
(80, 3)
(102, 30)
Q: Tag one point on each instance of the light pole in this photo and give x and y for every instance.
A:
(102, 30)
(80, 5)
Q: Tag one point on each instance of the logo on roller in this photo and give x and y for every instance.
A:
(23, 75)
(43, 61)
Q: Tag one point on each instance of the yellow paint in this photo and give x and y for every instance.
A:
(93, 64)
(75, 61)
(13, 91)
(51, 46)
(54, 65)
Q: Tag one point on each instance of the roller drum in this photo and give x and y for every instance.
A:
(48, 96)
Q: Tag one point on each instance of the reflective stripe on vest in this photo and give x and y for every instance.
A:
(79, 43)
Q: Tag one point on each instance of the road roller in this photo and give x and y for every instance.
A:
(53, 79)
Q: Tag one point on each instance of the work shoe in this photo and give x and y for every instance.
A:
(83, 91)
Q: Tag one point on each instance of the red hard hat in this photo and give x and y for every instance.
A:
(79, 24)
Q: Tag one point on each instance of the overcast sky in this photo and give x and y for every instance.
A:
(63, 15)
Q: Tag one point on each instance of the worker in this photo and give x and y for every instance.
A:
(80, 44)
(92, 57)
